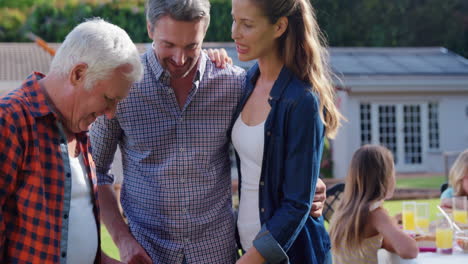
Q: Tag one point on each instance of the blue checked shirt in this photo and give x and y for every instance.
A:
(176, 189)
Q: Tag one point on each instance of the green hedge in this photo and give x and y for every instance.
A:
(345, 22)
(53, 23)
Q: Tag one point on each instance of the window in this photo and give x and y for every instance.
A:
(433, 121)
(387, 128)
(366, 127)
(412, 134)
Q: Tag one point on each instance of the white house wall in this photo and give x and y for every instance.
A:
(453, 125)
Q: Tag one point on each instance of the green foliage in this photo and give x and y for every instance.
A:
(395, 23)
(52, 23)
(220, 22)
(344, 22)
(326, 165)
(11, 24)
(22, 4)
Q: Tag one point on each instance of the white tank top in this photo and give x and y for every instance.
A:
(248, 142)
(82, 229)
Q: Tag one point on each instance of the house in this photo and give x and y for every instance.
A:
(412, 100)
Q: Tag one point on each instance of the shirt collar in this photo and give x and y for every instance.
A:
(38, 102)
(161, 74)
(279, 85)
(35, 96)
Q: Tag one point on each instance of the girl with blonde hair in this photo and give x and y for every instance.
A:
(458, 180)
(361, 226)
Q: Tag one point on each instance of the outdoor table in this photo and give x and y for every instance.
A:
(386, 257)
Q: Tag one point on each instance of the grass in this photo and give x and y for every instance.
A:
(107, 244)
(431, 182)
(394, 207)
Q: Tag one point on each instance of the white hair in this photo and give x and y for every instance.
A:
(102, 46)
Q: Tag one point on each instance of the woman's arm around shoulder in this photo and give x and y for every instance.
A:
(394, 239)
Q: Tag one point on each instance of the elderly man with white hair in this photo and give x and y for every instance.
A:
(48, 195)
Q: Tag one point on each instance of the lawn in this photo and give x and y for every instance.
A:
(394, 207)
(107, 244)
(432, 182)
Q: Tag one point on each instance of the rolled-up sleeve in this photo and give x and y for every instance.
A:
(105, 135)
(303, 142)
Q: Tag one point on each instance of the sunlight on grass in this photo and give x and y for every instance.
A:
(394, 207)
(108, 245)
(433, 182)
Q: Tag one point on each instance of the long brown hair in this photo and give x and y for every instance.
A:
(303, 50)
(369, 178)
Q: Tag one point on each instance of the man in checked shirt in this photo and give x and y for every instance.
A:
(172, 131)
(48, 193)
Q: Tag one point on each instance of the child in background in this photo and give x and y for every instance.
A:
(458, 180)
(361, 225)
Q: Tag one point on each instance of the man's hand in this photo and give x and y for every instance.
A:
(319, 199)
(219, 57)
(132, 253)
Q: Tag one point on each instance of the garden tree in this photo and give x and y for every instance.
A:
(395, 23)
(345, 22)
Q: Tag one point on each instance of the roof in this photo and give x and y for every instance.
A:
(18, 60)
(397, 61)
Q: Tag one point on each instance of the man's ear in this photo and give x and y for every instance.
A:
(149, 28)
(78, 73)
(280, 26)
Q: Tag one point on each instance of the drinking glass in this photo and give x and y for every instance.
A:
(460, 209)
(422, 217)
(444, 235)
(408, 216)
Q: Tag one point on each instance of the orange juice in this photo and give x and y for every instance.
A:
(444, 238)
(460, 216)
(422, 223)
(408, 220)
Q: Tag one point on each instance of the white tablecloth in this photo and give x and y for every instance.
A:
(386, 257)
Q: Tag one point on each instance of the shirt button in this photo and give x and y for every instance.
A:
(184, 210)
(268, 133)
(262, 210)
(65, 216)
(182, 180)
(262, 183)
(187, 240)
(182, 149)
(68, 175)
(64, 254)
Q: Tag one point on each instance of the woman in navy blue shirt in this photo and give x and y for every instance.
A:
(279, 129)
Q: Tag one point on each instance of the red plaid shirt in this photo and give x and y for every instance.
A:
(35, 178)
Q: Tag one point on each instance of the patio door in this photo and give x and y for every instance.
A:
(399, 128)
